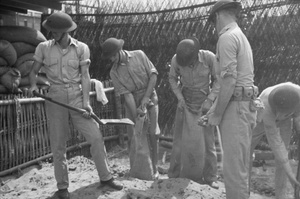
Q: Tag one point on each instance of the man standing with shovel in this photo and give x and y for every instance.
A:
(66, 63)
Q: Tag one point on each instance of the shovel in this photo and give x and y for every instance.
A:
(125, 121)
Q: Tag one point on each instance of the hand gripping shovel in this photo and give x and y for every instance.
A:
(125, 121)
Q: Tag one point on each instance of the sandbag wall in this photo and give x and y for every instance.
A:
(17, 47)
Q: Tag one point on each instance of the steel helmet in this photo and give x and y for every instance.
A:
(59, 22)
(110, 47)
(223, 4)
(284, 98)
(187, 50)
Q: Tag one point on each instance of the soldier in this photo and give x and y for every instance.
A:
(281, 107)
(194, 153)
(134, 77)
(66, 63)
(232, 110)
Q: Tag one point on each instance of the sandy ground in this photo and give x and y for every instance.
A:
(37, 182)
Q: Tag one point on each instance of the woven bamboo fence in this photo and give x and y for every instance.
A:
(24, 135)
(272, 27)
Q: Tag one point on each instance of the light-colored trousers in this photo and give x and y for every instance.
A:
(281, 178)
(236, 132)
(59, 118)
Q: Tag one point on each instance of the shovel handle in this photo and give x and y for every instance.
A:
(79, 110)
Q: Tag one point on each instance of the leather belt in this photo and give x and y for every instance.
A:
(244, 93)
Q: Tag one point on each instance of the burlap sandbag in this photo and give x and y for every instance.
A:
(3, 62)
(11, 80)
(21, 33)
(23, 48)
(4, 70)
(8, 52)
(25, 67)
(139, 149)
(24, 58)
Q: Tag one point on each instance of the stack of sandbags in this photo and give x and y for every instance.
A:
(17, 47)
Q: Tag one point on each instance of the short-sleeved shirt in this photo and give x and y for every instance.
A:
(234, 55)
(132, 75)
(62, 66)
(197, 76)
(271, 120)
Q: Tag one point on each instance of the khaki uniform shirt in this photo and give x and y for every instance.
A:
(197, 76)
(234, 55)
(62, 66)
(132, 75)
(271, 120)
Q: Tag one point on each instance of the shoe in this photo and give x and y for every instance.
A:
(61, 194)
(214, 184)
(112, 184)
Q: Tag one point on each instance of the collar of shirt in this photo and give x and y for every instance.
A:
(200, 59)
(231, 25)
(128, 55)
(72, 42)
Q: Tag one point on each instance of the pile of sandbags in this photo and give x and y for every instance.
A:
(17, 47)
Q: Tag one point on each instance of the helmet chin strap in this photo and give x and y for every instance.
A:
(61, 37)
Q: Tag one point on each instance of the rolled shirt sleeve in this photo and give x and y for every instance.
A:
(212, 63)
(227, 53)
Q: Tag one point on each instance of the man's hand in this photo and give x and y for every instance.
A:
(206, 105)
(181, 103)
(214, 119)
(202, 121)
(88, 112)
(31, 89)
(145, 101)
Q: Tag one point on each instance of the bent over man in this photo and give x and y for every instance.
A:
(281, 108)
(66, 64)
(134, 77)
(194, 153)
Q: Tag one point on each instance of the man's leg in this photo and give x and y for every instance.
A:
(236, 130)
(59, 129)
(257, 134)
(210, 169)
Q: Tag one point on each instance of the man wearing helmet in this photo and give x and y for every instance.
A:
(232, 109)
(193, 153)
(134, 77)
(281, 107)
(66, 63)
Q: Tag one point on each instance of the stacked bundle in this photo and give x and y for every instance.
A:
(17, 46)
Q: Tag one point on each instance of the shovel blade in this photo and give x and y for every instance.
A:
(122, 121)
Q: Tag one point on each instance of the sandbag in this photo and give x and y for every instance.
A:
(3, 62)
(11, 80)
(25, 67)
(4, 70)
(23, 48)
(8, 52)
(4, 90)
(41, 81)
(21, 33)
(24, 58)
(140, 152)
